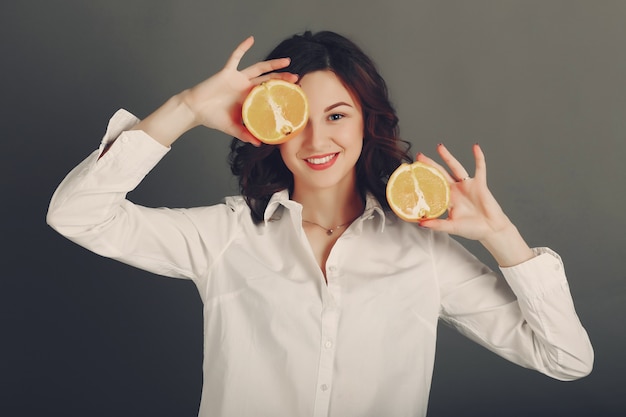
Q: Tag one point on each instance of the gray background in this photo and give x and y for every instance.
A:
(539, 84)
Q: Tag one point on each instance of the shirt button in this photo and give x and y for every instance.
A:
(328, 344)
(332, 268)
(324, 387)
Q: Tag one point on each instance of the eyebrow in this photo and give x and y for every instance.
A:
(332, 106)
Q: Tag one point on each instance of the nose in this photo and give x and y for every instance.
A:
(313, 136)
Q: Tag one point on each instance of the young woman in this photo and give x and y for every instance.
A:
(318, 301)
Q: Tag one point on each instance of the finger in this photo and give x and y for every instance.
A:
(440, 225)
(425, 159)
(245, 136)
(285, 76)
(481, 165)
(239, 52)
(457, 169)
(266, 66)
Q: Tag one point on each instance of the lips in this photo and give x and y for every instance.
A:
(322, 161)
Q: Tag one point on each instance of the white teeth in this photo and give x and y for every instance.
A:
(319, 161)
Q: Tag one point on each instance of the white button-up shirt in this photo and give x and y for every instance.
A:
(279, 340)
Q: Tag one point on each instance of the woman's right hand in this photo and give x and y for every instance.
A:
(216, 102)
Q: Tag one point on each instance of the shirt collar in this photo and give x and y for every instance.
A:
(373, 208)
(281, 199)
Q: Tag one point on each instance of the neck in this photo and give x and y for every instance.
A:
(330, 207)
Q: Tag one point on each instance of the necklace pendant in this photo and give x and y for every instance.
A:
(329, 232)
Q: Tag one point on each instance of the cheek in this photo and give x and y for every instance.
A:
(358, 149)
(354, 138)
(358, 129)
(288, 154)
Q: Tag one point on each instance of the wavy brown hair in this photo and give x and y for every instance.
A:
(261, 170)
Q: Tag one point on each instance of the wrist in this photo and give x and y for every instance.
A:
(183, 101)
(179, 116)
(170, 121)
(507, 246)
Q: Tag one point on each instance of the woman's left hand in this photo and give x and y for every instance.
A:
(473, 212)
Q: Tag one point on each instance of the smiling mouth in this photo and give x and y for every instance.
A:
(321, 160)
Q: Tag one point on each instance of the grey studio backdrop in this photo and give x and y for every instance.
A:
(539, 84)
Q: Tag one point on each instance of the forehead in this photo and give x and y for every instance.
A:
(324, 87)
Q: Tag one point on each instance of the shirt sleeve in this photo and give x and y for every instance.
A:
(90, 208)
(525, 314)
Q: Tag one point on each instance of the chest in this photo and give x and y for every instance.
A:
(350, 266)
(321, 243)
(282, 323)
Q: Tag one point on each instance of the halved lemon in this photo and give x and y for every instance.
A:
(275, 111)
(417, 192)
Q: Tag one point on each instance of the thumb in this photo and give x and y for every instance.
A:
(244, 135)
(439, 225)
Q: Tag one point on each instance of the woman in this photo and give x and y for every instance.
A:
(317, 299)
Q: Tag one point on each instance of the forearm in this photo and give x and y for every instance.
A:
(170, 121)
(558, 345)
(91, 192)
(530, 319)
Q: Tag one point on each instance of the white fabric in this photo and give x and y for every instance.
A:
(279, 341)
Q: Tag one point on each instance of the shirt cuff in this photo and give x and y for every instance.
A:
(122, 120)
(537, 276)
(124, 153)
(119, 127)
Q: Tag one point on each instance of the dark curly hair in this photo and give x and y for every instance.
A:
(261, 170)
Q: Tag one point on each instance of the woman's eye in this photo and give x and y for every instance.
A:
(335, 116)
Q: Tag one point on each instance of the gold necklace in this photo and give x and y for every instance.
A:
(331, 230)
